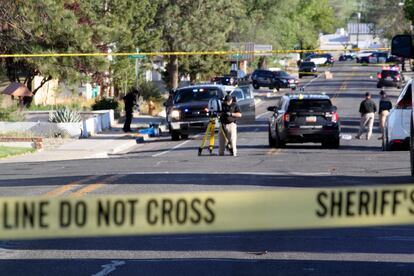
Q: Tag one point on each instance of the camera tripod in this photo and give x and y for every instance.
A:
(210, 131)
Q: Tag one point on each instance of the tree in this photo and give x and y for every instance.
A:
(388, 16)
(45, 26)
(189, 25)
(284, 23)
(125, 25)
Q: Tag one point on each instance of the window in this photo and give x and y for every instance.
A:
(247, 92)
(197, 94)
(406, 102)
(317, 104)
(238, 94)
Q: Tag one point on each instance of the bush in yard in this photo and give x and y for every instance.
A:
(65, 115)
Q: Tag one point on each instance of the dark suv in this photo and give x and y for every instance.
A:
(304, 118)
(273, 79)
(188, 113)
(308, 68)
(390, 76)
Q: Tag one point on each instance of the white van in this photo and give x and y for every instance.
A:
(397, 125)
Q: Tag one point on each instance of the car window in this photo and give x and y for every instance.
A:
(197, 94)
(309, 64)
(282, 74)
(406, 102)
(309, 104)
(247, 92)
(389, 73)
(238, 93)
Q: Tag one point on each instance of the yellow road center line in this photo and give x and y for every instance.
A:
(95, 186)
(87, 189)
(62, 189)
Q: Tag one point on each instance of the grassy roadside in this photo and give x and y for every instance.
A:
(11, 151)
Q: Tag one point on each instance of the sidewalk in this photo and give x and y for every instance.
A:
(102, 145)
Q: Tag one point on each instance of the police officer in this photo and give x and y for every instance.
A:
(385, 106)
(230, 113)
(367, 109)
(130, 100)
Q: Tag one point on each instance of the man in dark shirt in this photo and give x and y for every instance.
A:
(230, 113)
(130, 101)
(385, 106)
(367, 109)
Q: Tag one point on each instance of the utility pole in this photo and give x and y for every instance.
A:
(359, 20)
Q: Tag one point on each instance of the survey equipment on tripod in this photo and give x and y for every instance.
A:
(214, 107)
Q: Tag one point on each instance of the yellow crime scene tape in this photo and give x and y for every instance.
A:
(205, 212)
(149, 54)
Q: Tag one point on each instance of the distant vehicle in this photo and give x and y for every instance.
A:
(273, 79)
(395, 59)
(189, 112)
(321, 59)
(304, 118)
(390, 76)
(348, 56)
(397, 125)
(378, 57)
(308, 68)
(363, 57)
(224, 80)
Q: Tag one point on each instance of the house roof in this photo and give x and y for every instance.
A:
(17, 90)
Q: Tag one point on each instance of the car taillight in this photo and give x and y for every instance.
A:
(335, 117)
(286, 117)
(291, 81)
(296, 81)
(397, 77)
(379, 75)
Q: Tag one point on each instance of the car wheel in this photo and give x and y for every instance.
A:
(272, 142)
(335, 143)
(278, 142)
(184, 136)
(387, 145)
(175, 135)
(278, 88)
(256, 85)
(300, 76)
(331, 144)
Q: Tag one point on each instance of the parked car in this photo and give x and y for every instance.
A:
(397, 126)
(304, 118)
(273, 79)
(189, 112)
(347, 56)
(378, 57)
(308, 68)
(321, 59)
(390, 76)
(363, 56)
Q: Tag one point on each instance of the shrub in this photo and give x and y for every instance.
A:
(105, 104)
(65, 116)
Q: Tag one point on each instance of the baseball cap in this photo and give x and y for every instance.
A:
(228, 98)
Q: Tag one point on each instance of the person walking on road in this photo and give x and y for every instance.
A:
(367, 109)
(230, 113)
(130, 100)
(385, 106)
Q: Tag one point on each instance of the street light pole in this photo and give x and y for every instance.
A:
(359, 19)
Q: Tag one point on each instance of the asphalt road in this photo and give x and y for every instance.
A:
(174, 166)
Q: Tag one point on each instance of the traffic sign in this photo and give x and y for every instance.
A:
(136, 56)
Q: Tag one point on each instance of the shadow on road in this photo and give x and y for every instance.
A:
(226, 179)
